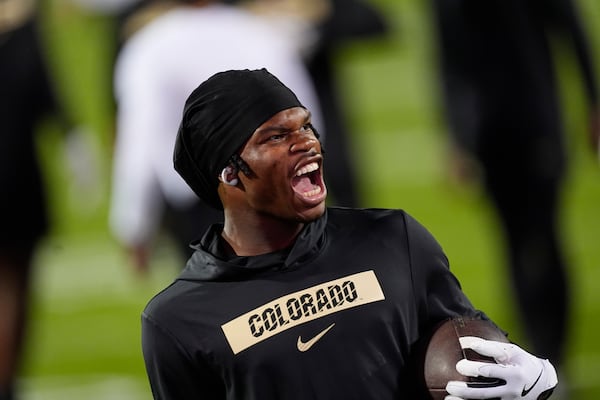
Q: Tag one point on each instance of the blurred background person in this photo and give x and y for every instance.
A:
(501, 96)
(123, 18)
(347, 22)
(27, 99)
(157, 67)
(322, 28)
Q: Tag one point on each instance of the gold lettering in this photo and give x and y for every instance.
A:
(301, 306)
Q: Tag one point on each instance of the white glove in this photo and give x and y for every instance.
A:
(523, 376)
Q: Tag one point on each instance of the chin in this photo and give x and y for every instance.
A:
(312, 214)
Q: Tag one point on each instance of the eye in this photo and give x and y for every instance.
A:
(276, 137)
(306, 127)
(310, 128)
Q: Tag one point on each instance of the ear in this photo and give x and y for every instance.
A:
(229, 176)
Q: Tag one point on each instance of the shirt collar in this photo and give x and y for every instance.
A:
(213, 261)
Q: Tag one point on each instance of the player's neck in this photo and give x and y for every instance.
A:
(250, 238)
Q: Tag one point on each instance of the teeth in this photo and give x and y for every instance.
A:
(307, 169)
(313, 192)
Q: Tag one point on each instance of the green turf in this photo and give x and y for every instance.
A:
(84, 338)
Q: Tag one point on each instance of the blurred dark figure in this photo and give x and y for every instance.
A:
(501, 97)
(25, 98)
(347, 21)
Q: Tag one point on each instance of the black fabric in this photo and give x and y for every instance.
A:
(364, 356)
(26, 98)
(7, 393)
(218, 118)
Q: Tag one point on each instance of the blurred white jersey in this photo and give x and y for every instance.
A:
(156, 71)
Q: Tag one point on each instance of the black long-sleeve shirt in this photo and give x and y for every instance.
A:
(334, 317)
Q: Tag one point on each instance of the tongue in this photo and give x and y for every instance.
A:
(302, 184)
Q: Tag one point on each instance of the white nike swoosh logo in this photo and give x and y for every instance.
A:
(303, 346)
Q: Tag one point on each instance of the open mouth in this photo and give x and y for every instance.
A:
(308, 181)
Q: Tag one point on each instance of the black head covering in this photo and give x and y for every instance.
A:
(219, 116)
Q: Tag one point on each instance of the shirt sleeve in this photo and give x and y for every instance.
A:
(438, 291)
(172, 372)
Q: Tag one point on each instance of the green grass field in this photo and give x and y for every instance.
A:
(84, 338)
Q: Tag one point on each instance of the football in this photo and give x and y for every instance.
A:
(441, 350)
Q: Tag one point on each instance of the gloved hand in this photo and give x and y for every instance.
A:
(523, 376)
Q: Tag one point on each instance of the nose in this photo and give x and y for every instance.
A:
(304, 142)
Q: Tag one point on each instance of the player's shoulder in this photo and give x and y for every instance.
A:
(382, 220)
(367, 217)
(160, 308)
(365, 213)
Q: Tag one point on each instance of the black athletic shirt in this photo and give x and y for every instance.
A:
(334, 317)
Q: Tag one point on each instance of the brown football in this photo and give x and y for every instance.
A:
(441, 351)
